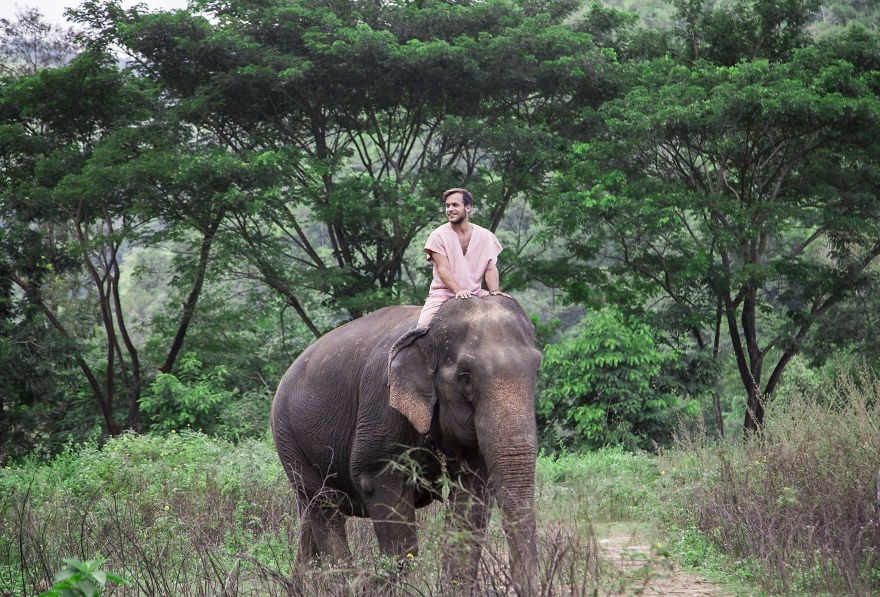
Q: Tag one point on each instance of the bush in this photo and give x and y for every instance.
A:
(192, 399)
(197, 399)
(81, 579)
(186, 514)
(169, 514)
(797, 503)
(605, 388)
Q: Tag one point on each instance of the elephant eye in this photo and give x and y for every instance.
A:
(465, 383)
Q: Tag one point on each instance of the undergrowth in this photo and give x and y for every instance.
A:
(793, 509)
(185, 514)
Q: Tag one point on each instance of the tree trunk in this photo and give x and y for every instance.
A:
(189, 308)
(754, 418)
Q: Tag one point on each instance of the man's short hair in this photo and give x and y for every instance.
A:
(466, 196)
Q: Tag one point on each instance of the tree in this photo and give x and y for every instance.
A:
(728, 32)
(605, 387)
(53, 121)
(740, 199)
(842, 13)
(93, 164)
(30, 44)
(367, 112)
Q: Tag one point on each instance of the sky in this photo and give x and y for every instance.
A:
(53, 10)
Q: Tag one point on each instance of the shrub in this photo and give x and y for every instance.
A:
(186, 514)
(81, 579)
(604, 388)
(172, 513)
(192, 399)
(797, 503)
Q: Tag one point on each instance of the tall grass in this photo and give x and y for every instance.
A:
(793, 510)
(796, 506)
(179, 515)
(608, 485)
(188, 515)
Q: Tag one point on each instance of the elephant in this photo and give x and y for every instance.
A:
(458, 395)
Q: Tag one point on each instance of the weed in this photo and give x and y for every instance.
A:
(81, 579)
(187, 515)
(795, 504)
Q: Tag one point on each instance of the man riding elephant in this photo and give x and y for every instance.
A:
(380, 390)
(462, 254)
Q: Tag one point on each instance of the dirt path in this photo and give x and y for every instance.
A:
(645, 570)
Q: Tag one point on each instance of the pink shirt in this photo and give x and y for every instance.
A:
(482, 255)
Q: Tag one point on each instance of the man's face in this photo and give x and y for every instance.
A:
(456, 211)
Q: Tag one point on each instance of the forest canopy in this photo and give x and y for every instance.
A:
(687, 197)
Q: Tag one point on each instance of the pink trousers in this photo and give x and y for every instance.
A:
(432, 305)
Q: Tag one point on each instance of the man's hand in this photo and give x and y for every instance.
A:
(464, 294)
(499, 293)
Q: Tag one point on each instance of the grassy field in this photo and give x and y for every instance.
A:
(791, 512)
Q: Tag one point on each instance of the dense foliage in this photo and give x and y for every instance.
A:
(175, 227)
(186, 514)
(744, 199)
(790, 512)
(607, 386)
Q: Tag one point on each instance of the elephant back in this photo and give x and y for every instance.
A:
(501, 316)
(319, 400)
(343, 353)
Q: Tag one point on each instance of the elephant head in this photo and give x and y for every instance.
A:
(470, 378)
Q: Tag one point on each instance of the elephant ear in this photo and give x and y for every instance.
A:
(411, 380)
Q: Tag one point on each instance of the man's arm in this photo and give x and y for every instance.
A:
(446, 275)
(492, 279)
(493, 282)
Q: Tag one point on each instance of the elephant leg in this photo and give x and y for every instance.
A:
(390, 506)
(308, 549)
(470, 510)
(322, 534)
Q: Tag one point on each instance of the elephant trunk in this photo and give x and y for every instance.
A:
(510, 447)
(515, 493)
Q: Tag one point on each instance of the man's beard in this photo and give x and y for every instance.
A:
(458, 220)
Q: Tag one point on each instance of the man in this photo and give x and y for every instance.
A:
(463, 255)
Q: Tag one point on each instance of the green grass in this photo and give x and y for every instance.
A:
(186, 514)
(162, 511)
(790, 512)
(794, 509)
(601, 486)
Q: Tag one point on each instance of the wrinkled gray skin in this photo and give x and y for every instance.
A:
(376, 388)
